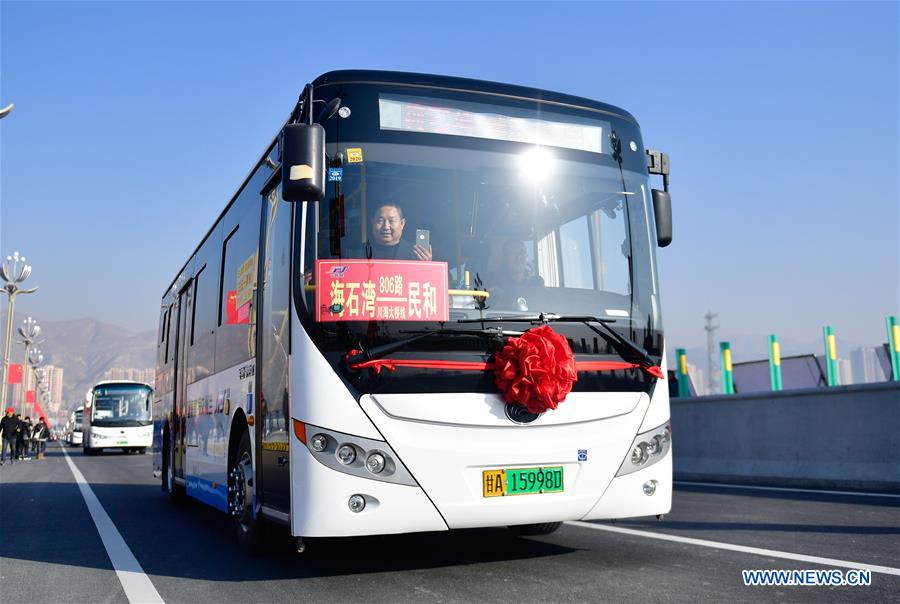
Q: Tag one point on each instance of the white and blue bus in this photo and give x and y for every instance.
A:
(432, 304)
(74, 427)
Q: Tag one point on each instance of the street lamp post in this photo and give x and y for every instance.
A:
(13, 272)
(29, 331)
(39, 386)
(36, 359)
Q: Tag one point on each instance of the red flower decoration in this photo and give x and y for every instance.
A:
(536, 369)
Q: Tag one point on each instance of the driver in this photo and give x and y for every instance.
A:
(514, 274)
(387, 231)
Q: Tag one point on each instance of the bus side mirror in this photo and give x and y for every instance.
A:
(303, 162)
(662, 211)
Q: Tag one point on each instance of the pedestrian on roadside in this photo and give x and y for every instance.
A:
(27, 429)
(20, 438)
(9, 429)
(39, 438)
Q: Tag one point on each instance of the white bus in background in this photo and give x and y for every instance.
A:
(322, 368)
(118, 415)
(74, 429)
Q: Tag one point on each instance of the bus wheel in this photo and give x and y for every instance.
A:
(543, 528)
(175, 492)
(141, 450)
(241, 491)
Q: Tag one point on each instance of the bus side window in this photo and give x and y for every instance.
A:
(201, 352)
(168, 338)
(234, 341)
(162, 325)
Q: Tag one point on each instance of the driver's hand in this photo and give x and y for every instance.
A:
(422, 253)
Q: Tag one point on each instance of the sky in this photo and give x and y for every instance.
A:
(135, 122)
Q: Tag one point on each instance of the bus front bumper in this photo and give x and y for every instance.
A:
(589, 439)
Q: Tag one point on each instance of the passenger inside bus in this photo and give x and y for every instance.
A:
(387, 236)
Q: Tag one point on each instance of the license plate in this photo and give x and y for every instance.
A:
(522, 481)
(122, 442)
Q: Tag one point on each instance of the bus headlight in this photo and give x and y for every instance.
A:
(647, 449)
(356, 455)
(346, 454)
(655, 445)
(375, 463)
(639, 454)
(318, 443)
(356, 503)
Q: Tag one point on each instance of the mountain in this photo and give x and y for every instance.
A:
(86, 349)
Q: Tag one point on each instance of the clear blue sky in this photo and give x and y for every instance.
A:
(134, 123)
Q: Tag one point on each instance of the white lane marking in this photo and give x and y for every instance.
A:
(772, 553)
(137, 585)
(721, 485)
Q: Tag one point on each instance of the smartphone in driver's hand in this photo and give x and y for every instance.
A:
(423, 238)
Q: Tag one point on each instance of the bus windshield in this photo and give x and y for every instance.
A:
(518, 228)
(121, 405)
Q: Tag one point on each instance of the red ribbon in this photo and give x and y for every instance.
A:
(392, 364)
(537, 369)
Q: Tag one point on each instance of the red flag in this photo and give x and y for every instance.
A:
(233, 314)
(29, 396)
(15, 374)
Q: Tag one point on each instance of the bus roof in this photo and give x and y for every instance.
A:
(122, 382)
(402, 78)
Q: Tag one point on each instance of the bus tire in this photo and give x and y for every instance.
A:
(175, 492)
(542, 528)
(141, 450)
(249, 528)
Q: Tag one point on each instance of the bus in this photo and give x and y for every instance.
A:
(431, 304)
(118, 415)
(74, 430)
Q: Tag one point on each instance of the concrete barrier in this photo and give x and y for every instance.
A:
(846, 437)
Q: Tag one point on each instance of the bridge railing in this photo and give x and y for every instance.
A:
(845, 437)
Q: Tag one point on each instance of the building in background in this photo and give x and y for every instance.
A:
(54, 383)
(130, 373)
(55, 386)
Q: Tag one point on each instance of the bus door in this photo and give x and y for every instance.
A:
(182, 313)
(273, 320)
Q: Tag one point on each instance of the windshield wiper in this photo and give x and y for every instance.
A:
(625, 348)
(377, 352)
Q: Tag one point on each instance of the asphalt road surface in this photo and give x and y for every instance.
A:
(51, 550)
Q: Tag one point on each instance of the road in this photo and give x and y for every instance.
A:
(51, 550)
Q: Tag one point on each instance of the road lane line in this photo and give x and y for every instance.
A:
(721, 485)
(887, 570)
(137, 585)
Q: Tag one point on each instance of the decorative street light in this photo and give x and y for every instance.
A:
(36, 359)
(13, 272)
(6, 110)
(29, 331)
